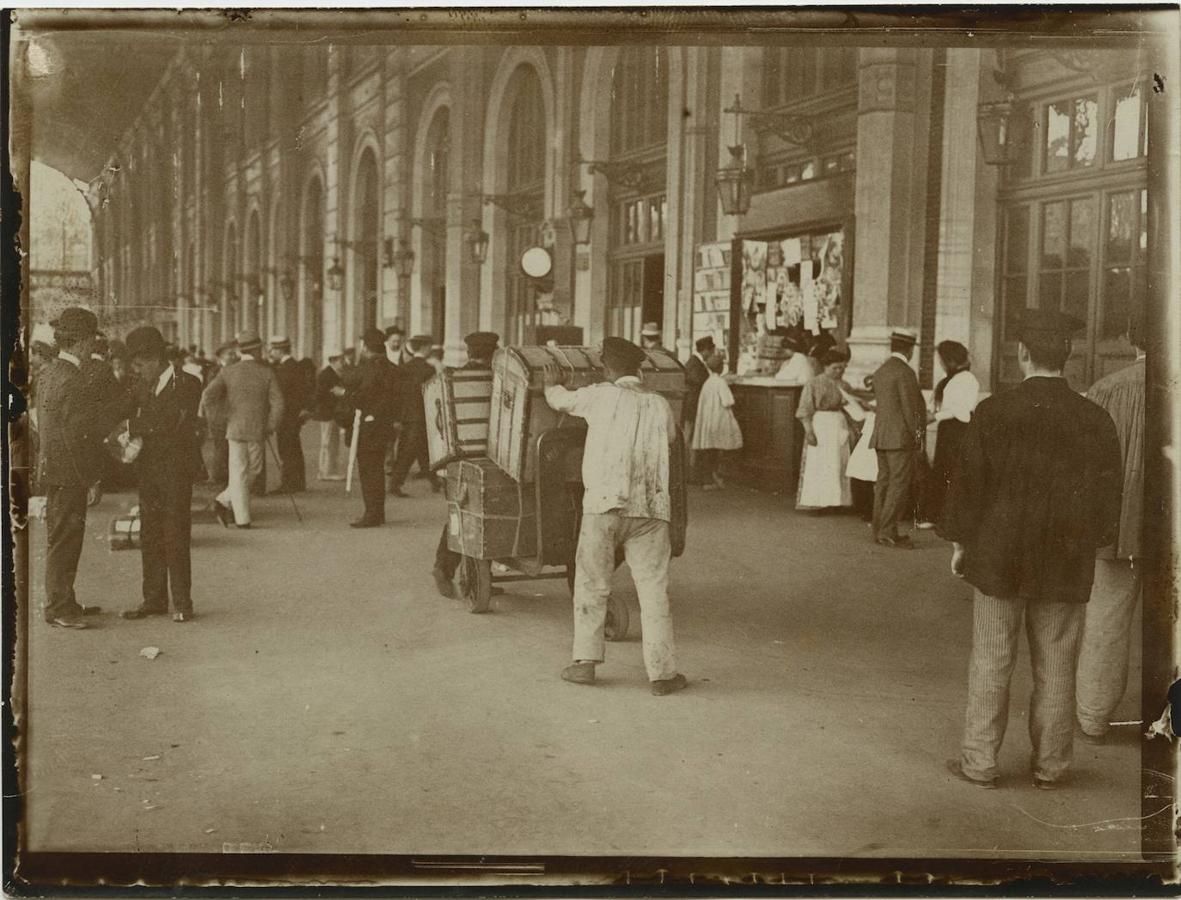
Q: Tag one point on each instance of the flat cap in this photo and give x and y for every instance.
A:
(482, 343)
(146, 341)
(622, 355)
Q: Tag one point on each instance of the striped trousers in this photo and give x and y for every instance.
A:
(1053, 631)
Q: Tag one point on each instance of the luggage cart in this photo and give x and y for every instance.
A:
(557, 500)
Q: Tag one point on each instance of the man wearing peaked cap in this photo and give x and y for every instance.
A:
(898, 433)
(412, 443)
(1036, 493)
(371, 391)
(329, 391)
(480, 347)
(626, 505)
(253, 404)
(69, 461)
(294, 386)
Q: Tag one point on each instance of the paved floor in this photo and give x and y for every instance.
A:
(327, 700)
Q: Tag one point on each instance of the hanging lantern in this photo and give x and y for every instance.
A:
(581, 215)
(477, 242)
(1001, 127)
(404, 259)
(335, 275)
(734, 183)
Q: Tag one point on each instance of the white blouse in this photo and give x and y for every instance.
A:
(960, 396)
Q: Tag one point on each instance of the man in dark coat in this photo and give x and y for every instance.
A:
(70, 428)
(1036, 492)
(696, 375)
(115, 401)
(412, 444)
(167, 422)
(329, 390)
(897, 437)
(480, 347)
(293, 385)
(371, 388)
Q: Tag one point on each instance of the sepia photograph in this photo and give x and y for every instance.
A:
(647, 447)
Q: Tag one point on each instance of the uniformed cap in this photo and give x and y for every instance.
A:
(248, 340)
(393, 329)
(280, 342)
(622, 355)
(904, 336)
(481, 343)
(1047, 322)
(420, 341)
(146, 341)
(650, 329)
(373, 340)
(76, 323)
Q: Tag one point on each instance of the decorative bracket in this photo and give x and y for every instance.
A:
(523, 205)
(792, 128)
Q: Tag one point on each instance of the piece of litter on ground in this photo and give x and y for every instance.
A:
(97, 777)
(777, 642)
(210, 830)
(321, 826)
(150, 806)
(150, 652)
(146, 758)
(593, 721)
(119, 789)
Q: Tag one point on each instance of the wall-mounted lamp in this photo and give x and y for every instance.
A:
(734, 183)
(403, 259)
(476, 240)
(580, 214)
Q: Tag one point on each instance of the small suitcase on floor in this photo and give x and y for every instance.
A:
(457, 409)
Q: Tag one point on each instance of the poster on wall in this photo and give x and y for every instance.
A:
(793, 284)
(711, 293)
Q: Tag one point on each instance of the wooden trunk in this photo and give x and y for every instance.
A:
(519, 413)
(457, 409)
(489, 515)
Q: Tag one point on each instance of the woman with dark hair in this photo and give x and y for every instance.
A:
(955, 400)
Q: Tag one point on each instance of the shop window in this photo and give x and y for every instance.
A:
(1071, 134)
(639, 100)
(641, 220)
(797, 73)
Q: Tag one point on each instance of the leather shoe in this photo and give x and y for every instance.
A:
(182, 617)
(68, 622)
(669, 685)
(142, 612)
(224, 514)
(902, 542)
(956, 769)
(443, 584)
(91, 610)
(1044, 784)
(365, 523)
(579, 673)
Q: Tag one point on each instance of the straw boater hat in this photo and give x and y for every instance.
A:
(904, 335)
(650, 330)
(280, 342)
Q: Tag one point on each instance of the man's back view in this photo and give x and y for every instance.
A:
(253, 405)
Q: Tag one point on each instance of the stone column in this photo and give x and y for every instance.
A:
(697, 192)
(891, 173)
(463, 198)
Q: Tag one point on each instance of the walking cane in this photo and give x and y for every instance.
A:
(348, 480)
(291, 496)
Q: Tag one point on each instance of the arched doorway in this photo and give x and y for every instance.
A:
(436, 166)
(253, 296)
(526, 185)
(311, 269)
(638, 204)
(366, 226)
(230, 285)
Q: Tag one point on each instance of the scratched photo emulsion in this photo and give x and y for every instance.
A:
(510, 447)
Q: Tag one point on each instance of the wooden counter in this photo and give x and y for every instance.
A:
(772, 436)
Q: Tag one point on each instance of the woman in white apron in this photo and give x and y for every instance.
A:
(823, 482)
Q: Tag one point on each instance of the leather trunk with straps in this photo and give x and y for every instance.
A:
(456, 403)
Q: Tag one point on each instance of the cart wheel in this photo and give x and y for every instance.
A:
(475, 584)
(615, 627)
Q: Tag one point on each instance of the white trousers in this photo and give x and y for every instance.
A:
(1103, 660)
(245, 466)
(646, 545)
(330, 468)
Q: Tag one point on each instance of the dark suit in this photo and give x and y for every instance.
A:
(70, 425)
(115, 403)
(372, 388)
(168, 464)
(412, 445)
(898, 439)
(293, 384)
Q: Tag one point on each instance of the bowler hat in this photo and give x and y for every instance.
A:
(75, 324)
(248, 339)
(146, 341)
(622, 355)
(373, 340)
(481, 343)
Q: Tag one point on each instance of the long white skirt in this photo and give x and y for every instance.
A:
(822, 478)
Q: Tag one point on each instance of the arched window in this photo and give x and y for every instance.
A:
(312, 268)
(365, 229)
(526, 182)
(639, 143)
